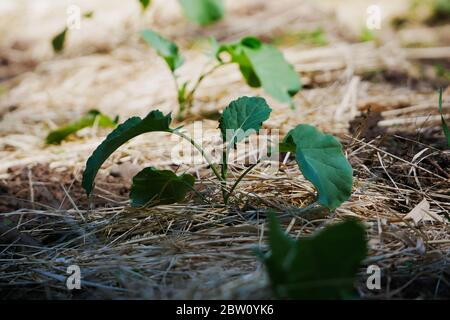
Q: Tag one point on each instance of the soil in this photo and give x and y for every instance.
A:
(47, 190)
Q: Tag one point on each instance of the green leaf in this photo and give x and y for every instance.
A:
(280, 245)
(164, 47)
(145, 4)
(214, 49)
(154, 121)
(263, 65)
(444, 124)
(286, 147)
(243, 117)
(367, 35)
(322, 161)
(59, 40)
(322, 266)
(88, 15)
(203, 12)
(88, 120)
(154, 187)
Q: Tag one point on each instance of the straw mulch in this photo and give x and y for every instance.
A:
(368, 94)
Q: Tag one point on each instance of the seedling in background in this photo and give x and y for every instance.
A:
(441, 11)
(443, 122)
(367, 35)
(319, 156)
(59, 41)
(145, 4)
(322, 266)
(442, 71)
(88, 120)
(261, 65)
(203, 12)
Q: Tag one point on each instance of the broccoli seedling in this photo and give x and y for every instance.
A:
(88, 120)
(59, 41)
(261, 65)
(319, 156)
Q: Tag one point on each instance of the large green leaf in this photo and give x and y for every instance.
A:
(443, 123)
(154, 121)
(154, 187)
(59, 40)
(243, 117)
(203, 12)
(164, 47)
(322, 266)
(321, 160)
(88, 120)
(263, 65)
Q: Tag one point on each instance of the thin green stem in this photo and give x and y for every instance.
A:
(224, 168)
(239, 180)
(201, 78)
(202, 152)
(189, 99)
(181, 105)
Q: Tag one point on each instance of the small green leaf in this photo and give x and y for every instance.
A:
(164, 47)
(88, 15)
(154, 121)
(322, 266)
(145, 4)
(239, 56)
(203, 12)
(263, 65)
(321, 160)
(441, 11)
(154, 187)
(88, 120)
(444, 124)
(59, 41)
(243, 117)
(367, 35)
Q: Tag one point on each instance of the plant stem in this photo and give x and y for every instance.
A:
(224, 168)
(189, 99)
(181, 105)
(239, 180)
(201, 78)
(202, 152)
